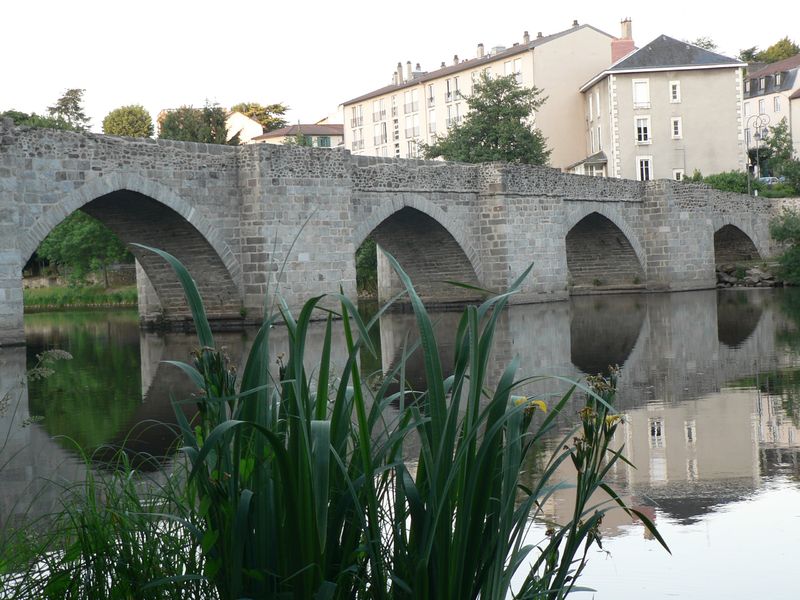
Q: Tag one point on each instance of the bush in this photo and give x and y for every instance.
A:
(785, 228)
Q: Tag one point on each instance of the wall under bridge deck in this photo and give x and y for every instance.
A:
(252, 218)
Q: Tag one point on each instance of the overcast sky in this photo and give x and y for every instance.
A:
(308, 55)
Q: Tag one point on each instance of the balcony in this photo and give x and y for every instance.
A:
(378, 140)
(411, 107)
(431, 127)
(379, 116)
(451, 121)
(356, 121)
(358, 145)
(412, 132)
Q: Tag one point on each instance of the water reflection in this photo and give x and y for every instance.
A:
(710, 388)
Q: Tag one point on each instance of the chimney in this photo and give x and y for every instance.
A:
(399, 73)
(539, 35)
(623, 45)
(408, 71)
(442, 66)
(455, 59)
(526, 38)
(575, 23)
(480, 50)
(394, 78)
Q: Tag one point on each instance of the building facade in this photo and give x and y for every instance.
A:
(773, 93)
(662, 112)
(418, 106)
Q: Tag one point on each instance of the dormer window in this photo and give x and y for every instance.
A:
(762, 83)
(747, 87)
(778, 79)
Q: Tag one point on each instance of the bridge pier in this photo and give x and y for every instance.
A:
(11, 308)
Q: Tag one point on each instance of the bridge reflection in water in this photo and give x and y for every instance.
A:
(686, 428)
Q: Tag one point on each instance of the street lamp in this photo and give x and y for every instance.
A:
(760, 122)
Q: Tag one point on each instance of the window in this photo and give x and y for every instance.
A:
(379, 134)
(411, 149)
(778, 79)
(747, 137)
(324, 141)
(747, 86)
(378, 110)
(451, 89)
(358, 139)
(676, 127)
(411, 101)
(762, 83)
(761, 106)
(356, 116)
(514, 67)
(657, 433)
(597, 102)
(746, 108)
(591, 107)
(453, 114)
(643, 130)
(431, 96)
(776, 104)
(431, 121)
(677, 174)
(412, 126)
(674, 91)
(641, 93)
(591, 140)
(394, 107)
(644, 168)
(599, 140)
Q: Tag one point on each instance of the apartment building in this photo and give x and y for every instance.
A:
(418, 106)
(663, 111)
(773, 93)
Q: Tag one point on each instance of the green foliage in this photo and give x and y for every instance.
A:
(69, 108)
(748, 55)
(779, 146)
(729, 181)
(129, 121)
(80, 245)
(189, 124)
(704, 42)
(72, 296)
(299, 139)
(497, 126)
(785, 228)
(22, 119)
(783, 48)
(270, 116)
(367, 267)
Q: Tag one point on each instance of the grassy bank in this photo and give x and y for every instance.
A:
(56, 298)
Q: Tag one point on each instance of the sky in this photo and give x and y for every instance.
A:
(309, 55)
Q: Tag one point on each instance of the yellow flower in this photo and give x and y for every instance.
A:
(530, 403)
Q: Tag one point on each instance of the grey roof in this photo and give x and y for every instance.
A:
(465, 65)
(665, 51)
(598, 158)
(305, 129)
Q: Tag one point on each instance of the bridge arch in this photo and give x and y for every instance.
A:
(601, 248)
(735, 239)
(167, 221)
(429, 243)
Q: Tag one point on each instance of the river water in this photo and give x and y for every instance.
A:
(709, 387)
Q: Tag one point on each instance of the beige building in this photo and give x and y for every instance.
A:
(663, 111)
(246, 127)
(315, 134)
(417, 106)
(773, 93)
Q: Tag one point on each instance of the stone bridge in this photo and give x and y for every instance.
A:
(245, 218)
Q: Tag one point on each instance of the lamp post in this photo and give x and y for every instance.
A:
(760, 123)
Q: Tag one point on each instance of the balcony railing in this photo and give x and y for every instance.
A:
(356, 121)
(453, 120)
(358, 144)
(431, 127)
(412, 132)
(379, 116)
(411, 107)
(378, 140)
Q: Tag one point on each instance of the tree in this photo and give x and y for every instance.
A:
(270, 116)
(299, 139)
(779, 144)
(189, 124)
(704, 42)
(130, 121)
(497, 126)
(748, 55)
(22, 119)
(783, 48)
(69, 109)
(82, 244)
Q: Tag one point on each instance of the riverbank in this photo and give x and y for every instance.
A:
(67, 297)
